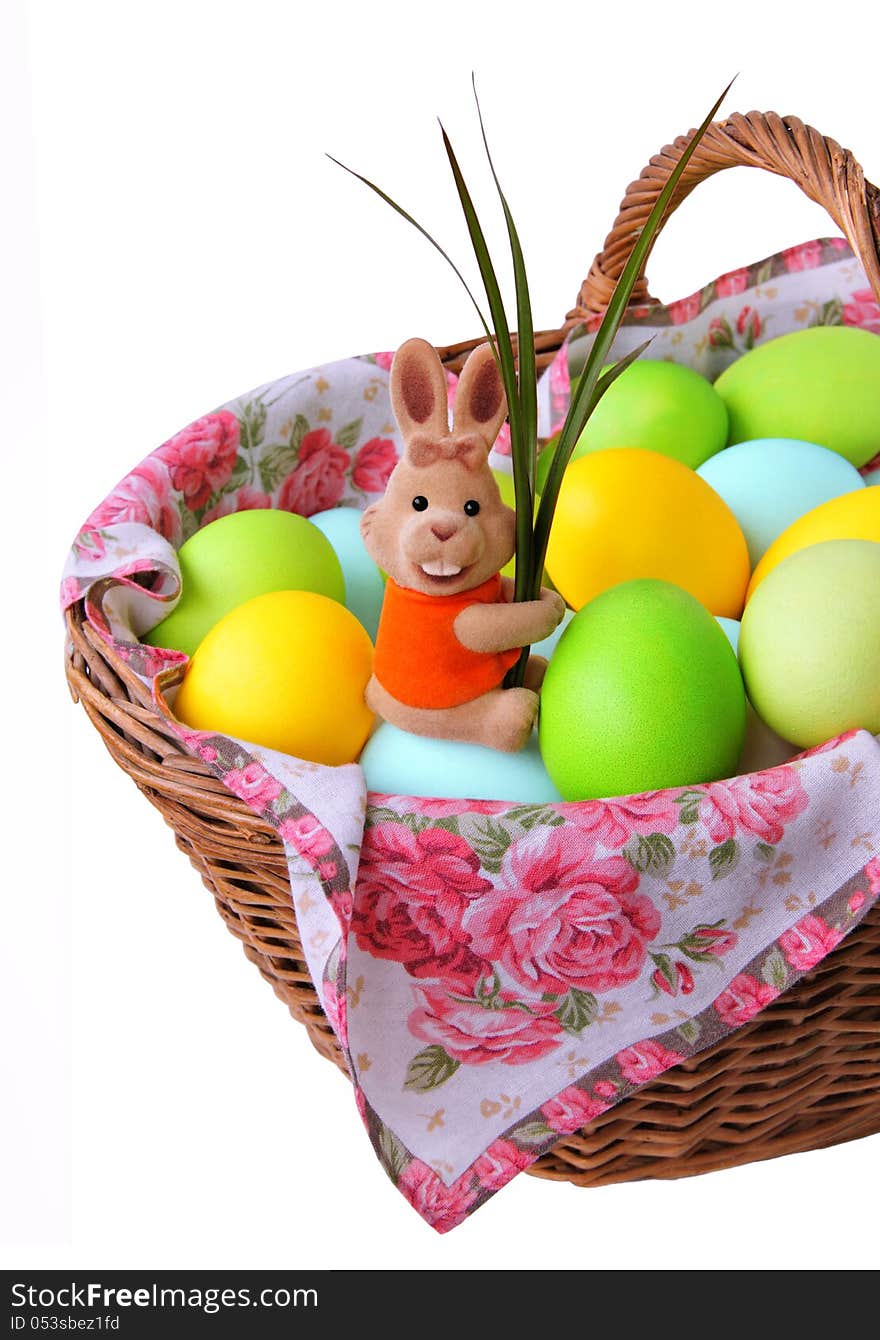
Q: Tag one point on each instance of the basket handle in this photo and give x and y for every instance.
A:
(824, 171)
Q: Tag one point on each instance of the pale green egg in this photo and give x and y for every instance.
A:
(810, 642)
(817, 385)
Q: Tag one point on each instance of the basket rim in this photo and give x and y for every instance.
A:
(709, 1122)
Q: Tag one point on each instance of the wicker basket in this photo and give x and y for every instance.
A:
(806, 1073)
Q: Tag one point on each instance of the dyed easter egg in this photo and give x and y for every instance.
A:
(659, 406)
(286, 670)
(627, 513)
(240, 556)
(872, 477)
(852, 516)
(397, 763)
(810, 642)
(769, 483)
(818, 385)
(364, 585)
(731, 629)
(643, 692)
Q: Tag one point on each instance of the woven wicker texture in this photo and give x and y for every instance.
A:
(806, 1072)
(824, 171)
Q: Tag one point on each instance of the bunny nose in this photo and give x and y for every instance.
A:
(442, 533)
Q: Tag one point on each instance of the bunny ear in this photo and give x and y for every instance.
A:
(480, 404)
(418, 390)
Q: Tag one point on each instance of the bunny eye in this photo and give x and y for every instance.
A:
(471, 507)
(420, 503)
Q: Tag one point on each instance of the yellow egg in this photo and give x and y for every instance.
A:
(626, 513)
(286, 670)
(851, 516)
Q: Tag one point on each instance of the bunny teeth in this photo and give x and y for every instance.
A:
(440, 568)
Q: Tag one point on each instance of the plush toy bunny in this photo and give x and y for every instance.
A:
(449, 631)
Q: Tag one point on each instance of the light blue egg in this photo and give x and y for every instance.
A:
(364, 586)
(401, 764)
(549, 644)
(731, 628)
(771, 481)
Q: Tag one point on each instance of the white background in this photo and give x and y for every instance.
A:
(173, 235)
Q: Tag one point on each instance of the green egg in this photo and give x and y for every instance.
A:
(241, 556)
(809, 644)
(659, 406)
(643, 692)
(545, 460)
(819, 385)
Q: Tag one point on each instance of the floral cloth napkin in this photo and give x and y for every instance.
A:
(500, 974)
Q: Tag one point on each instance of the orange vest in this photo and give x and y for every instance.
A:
(418, 658)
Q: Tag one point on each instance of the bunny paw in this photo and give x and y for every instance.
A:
(552, 608)
(509, 723)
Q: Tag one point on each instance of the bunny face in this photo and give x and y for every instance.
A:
(441, 527)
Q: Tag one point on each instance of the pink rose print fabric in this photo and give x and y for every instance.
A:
(862, 310)
(742, 1000)
(581, 950)
(735, 281)
(374, 463)
(645, 1061)
(476, 1032)
(428, 930)
(563, 916)
(200, 459)
(760, 803)
(318, 480)
(146, 497)
(574, 1108)
(499, 975)
(247, 499)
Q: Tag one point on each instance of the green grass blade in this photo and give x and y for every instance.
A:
(503, 344)
(625, 284)
(507, 365)
(525, 326)
(558, 465)
(434, 243)
(583, 403)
